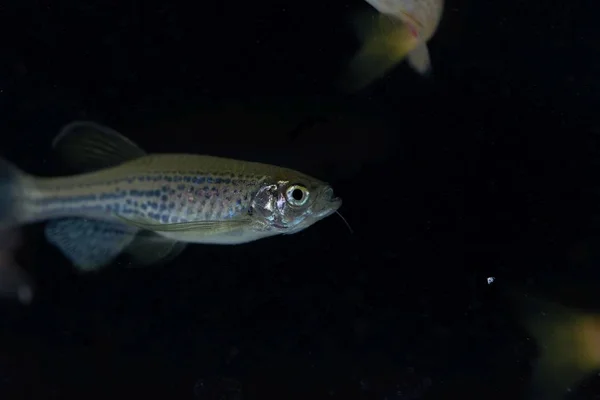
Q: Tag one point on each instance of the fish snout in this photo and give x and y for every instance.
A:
(329, 203)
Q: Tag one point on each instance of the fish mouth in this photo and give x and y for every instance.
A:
(335, 203)
(331, 203)
(331, 208)
(327, 193)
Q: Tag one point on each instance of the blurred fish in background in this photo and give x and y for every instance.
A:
(400, 30)
(568, 342)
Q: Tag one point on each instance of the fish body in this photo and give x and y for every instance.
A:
(150, 205)
(401, 30)
(149, 192)
(568, 340)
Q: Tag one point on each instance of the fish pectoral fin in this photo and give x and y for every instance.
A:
(150, 248)
(196, 226)
(89, 244)
(420, 60)
(88, 146)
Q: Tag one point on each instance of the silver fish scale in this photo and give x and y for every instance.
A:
(191, 197)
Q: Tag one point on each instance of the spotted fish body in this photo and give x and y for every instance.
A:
(150, 205)
(148, 191)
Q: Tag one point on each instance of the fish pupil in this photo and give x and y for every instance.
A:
(297, 194)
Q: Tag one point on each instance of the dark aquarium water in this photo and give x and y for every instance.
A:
(461, 188)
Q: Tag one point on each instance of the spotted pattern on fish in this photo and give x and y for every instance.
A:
(156, 198)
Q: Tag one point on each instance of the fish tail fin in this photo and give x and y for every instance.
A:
(568, 341)
(385, 42)
(14, 185)
(14, 281)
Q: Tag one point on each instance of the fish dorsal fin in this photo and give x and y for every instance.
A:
(150, 248)
(87, 146)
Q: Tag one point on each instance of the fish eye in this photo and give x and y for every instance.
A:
(297, 195)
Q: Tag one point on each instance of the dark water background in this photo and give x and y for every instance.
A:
(488, 169)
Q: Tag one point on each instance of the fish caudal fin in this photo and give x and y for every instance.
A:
(568, 341)
(385, 42)
(14, 186)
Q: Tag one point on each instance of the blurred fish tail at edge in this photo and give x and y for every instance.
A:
(12, 188)
(14, 282)
(568, 342)
(401, 30)
(385, 42)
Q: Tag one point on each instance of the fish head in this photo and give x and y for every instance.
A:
(294, 203)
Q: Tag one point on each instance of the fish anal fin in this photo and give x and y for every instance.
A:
(89, 244)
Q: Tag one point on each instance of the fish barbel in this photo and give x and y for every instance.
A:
(150, 205)
(401, 30)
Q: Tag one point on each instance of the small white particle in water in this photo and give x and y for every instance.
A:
(490, 280)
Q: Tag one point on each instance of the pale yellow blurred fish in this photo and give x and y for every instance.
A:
(150, 205)
(401, 30)
(568, 342)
